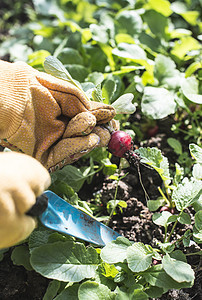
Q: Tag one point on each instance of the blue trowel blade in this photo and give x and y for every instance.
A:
(65, 218)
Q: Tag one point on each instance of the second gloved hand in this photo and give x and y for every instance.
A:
(48, 118)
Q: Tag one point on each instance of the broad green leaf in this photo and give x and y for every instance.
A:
(183, 46)
(52, 290)
(72, 176)
(161, 6)
(175, 144)
(166, 73)
(130, 51)
(190, 88)
(21, 257)
(70, 292)
(187, 193)
(70, 56)
(178, 173)
(184, 218)
(157, 276)
(134, 292)
(36, 59)
(154, 158)
(197, 171)
(161, 218)
(116, 251)
(65, 261)
(99, 33)
(198, 220)
(108, 89)
(53, 66)
(177, 269)
(191, 17)
(108, 270)
(95, 291)
(139, 257)
(196, 152)
(197, 235)
(155, 204)
(38, 238)
(178, 255)
(157, 23)
(129, 22)
(157, 103)
(154, 292)
(124, 105)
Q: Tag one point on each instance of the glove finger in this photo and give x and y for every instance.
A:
(103, 112)
(71, 99)
(69, 150)
(81, 124)
(103, 134)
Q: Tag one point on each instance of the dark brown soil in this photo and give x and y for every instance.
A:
(135, 223)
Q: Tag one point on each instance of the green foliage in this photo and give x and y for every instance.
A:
(134, 55)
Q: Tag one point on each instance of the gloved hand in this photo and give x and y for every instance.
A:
(22, 179)
(48, 118)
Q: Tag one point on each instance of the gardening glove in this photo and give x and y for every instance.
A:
(48, 118)
(22, 179)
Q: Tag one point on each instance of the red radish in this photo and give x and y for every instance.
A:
(121, 145)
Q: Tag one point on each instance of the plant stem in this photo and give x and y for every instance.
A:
(172, 230)
(163, 195)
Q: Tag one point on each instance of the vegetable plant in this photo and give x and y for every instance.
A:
(144, 58)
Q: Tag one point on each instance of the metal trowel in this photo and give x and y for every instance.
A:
(61, 216)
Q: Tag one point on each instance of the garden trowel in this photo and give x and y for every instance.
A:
(61, 216)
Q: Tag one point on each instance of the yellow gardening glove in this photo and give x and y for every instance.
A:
(22, 179)
(48, 118)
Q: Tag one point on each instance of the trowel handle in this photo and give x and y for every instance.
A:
(39, 207)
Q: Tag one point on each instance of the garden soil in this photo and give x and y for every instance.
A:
(134, 222)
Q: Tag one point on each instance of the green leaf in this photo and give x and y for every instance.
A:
(161, 218)
(21, 257)
(65, 261)
(198, 220)
(157, 103)
(187, 193)
(139, 257)
(175, 144)
(70, 56)
(36, 59)
(70, 292)
(72, 176)
(129, 22)
(153, 205)
(154, 158)
(196, 152)
(95, 291)
(116, 251)
(130, 51)
(2, 251)
(197, 171)
(52, 290)
(177, 269)
(161, 6)
(134, 292)
(197, 235)
(166, 73)
(53, 66)
(190, 88)
(192, 68)
(108, 89)
(157, 276)
(183, 46)
(157, 23)
(124, 105)
(184, 218)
